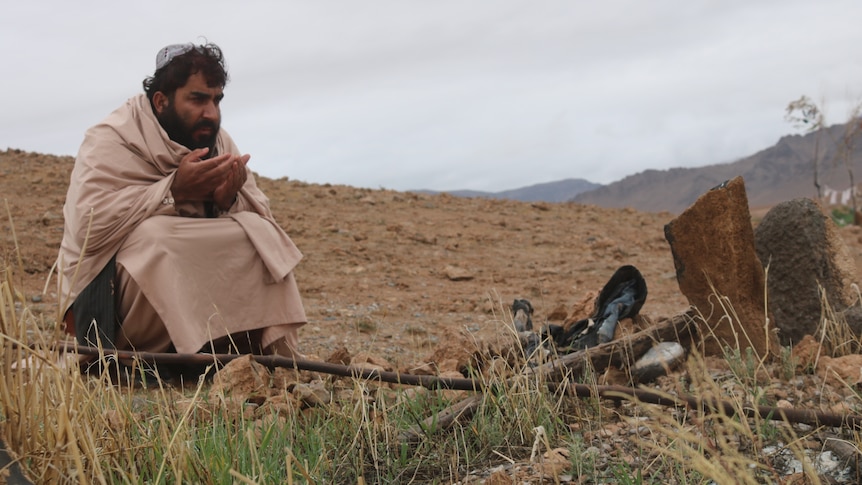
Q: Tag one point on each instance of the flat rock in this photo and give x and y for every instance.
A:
(455, 273)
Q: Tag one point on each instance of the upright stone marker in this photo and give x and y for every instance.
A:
(719, 273)
(804, 252)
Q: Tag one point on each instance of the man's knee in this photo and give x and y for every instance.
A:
(149, 231)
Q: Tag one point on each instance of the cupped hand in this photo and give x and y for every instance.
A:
(225, 194)
(199, 179)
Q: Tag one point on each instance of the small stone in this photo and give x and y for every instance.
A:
(242, 377)
(657, 361)
(365, 360)
(841, 371)
(312, 394)
(457, 274)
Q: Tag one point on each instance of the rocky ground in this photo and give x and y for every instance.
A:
(397, 275)
(392, 272)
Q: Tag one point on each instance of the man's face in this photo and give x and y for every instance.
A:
(191, 117)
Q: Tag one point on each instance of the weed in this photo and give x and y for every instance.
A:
(787, 363)
(623, 474)
(842, 216)
(833, 331)
(366, 324)
(743, 365)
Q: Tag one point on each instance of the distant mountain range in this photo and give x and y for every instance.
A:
(560, 191)
(781, 172)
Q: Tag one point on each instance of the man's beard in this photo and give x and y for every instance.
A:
(180, 133)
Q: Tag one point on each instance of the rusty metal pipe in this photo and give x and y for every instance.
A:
(791, 415)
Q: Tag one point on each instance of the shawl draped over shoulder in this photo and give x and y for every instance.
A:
(206, 277)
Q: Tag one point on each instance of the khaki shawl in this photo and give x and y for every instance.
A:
(123, 172)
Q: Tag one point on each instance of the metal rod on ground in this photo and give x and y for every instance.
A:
(804, 416)
(430, 382)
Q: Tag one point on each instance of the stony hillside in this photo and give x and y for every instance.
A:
(782, 172)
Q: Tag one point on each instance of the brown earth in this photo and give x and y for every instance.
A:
(402, 276)
(391, 273)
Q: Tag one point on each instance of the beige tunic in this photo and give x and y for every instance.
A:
(204, 277)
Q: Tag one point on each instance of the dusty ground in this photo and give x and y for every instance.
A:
(400, 274)
(390, 272)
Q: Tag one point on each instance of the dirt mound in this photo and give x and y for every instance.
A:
(393, 273)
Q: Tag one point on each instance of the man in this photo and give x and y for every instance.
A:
(168, 242)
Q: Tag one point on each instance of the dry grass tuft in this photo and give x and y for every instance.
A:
(834, 333)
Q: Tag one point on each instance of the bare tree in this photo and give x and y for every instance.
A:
(852, 130)
(805, 115)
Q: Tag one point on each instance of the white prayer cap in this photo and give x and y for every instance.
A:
(167, 54)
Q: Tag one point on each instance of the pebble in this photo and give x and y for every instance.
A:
(657, 360)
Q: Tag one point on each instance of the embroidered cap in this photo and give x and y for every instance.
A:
(167, 54)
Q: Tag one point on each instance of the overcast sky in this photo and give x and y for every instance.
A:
(486, 95)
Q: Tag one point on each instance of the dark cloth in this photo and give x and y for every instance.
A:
(94, 310)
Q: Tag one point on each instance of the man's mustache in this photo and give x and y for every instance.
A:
(205, 124)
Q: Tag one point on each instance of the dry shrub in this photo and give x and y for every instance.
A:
(834, 333)
(68, 428)
(44, 402)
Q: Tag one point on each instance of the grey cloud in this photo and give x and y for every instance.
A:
(488, 95)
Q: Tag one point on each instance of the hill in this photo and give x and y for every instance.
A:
(559, 191)
(782, 172)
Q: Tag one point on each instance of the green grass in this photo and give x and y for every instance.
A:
(843, 216)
